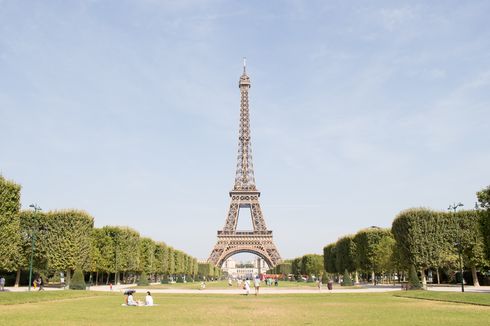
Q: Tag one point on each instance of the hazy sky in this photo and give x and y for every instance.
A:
(130, 109)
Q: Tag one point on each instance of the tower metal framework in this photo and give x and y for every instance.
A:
(244, 196)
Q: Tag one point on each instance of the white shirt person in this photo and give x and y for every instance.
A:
(148, 299)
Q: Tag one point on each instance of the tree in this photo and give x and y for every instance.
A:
(68, 235)
(103, 255)
(345, 254)
(429, 239)
(161, 259)
(383, 257)
(296, 266)
(78, 281)
(30, 226)
(413, 279)
(125, 242)
(147, 256)
(419, 234)
(472, 241)
(484, 201)
(347, 281)
(312, 264)
(10, 240)
(330, 258)
(367, 245)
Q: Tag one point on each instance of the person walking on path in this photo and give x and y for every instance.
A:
(247, 286)
(2, 283)
(257, 285)
(320, 284)
(41, 283)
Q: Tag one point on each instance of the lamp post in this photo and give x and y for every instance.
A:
(454, 207)
(33, 243)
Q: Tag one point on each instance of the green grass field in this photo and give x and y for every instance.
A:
(482, 299)
(224, 285)
(90, 308)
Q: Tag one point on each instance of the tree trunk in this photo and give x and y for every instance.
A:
(424, 279)
(68, 276)
(373, 278)
(356, 277)
(475, 276)
(17, 278)
(97, 278)
(438, 276)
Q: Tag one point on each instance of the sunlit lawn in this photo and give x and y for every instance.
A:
(206, 309)
(224, 285)
(473, 298)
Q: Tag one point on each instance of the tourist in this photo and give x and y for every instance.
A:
(41, 283)
(319, 284)
(2, 283)
(203, 285)
(247, 286)
(130, 300)
(148, 299)
(257, 284)
(276, 282)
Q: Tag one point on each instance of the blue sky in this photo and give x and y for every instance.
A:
(129, 110)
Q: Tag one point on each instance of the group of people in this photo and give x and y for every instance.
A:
(246, 285)
(38, 283)
(130, 301)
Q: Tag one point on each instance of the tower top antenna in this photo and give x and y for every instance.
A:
(244, 65)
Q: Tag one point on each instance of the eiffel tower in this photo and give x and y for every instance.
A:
(244, 195)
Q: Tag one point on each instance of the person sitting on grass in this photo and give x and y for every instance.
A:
(132, 302)
(148, 299)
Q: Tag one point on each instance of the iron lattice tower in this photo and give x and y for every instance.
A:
(244, 195)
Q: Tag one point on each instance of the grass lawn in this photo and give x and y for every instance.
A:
(88, 308)
(224, 285)
(482, 299)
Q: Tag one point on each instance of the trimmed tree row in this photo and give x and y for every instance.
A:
(436, 244)
(66, 240)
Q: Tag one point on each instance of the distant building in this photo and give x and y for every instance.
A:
(243, 270)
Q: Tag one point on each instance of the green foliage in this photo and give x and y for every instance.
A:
(296, 266)
(484, 201)
(161, 258)
(125, 244)
(367, 241)
(102, 258)
(68, 236)
(426, 238)
(345, 250)
(147, 255)
(312, 264)
(10, 239)
(347, 281)
(205, 270)
(77, 281)
(330, 258)
(325, 278)
(284, 268)
(32, 224)
(143, 280)
(484, 197)
(413, 279)
(171, 261)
